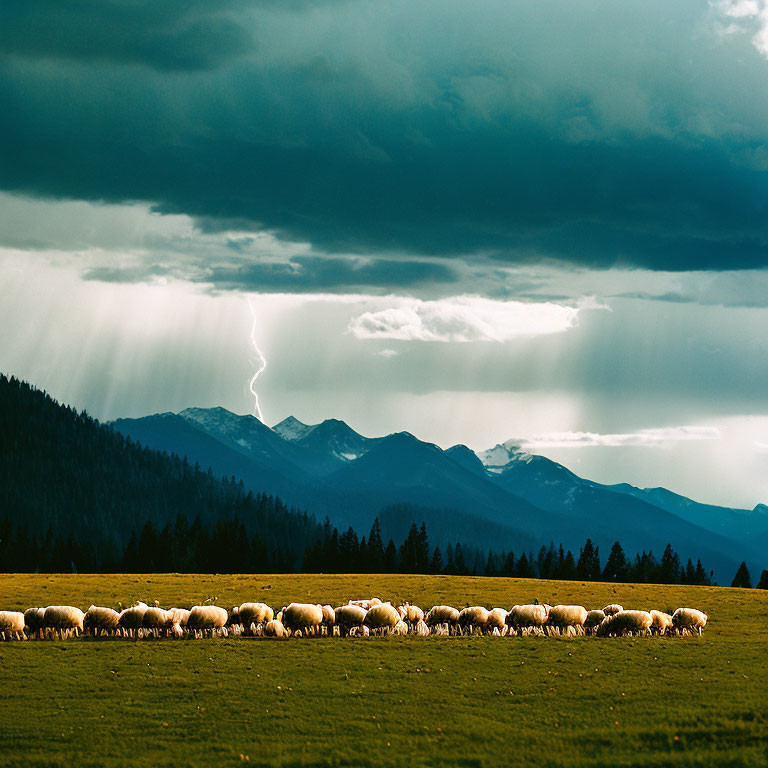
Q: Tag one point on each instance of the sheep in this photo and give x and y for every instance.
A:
(64, 619)
(528, 618)
(255, 615)
(473, 617)
(609, 610)
(401, 628)
(179, 617)
(132, 619)
(156, 620)
(497, 619)
(562, 616)
(625, 622)
(349, 616)
(12, 625)
(207, 618)
(33, 621)
(329, 619)
(421, 629)
(688, 619)
(593, 620)
(661, 622)
(443, 615)
(98, 621)
(303, 616)
(410, 613)
(382, 617)
(367, 604)
(274, 628)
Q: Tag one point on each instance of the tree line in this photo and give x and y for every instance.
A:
(226, 547)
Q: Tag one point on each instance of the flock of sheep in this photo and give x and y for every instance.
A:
(356, 618)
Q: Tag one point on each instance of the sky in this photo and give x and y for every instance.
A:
(544, 223)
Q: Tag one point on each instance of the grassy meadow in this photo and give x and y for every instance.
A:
(395, 701)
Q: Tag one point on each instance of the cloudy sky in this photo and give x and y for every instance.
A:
(545, 222)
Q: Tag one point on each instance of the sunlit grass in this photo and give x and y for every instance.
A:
(386, 701)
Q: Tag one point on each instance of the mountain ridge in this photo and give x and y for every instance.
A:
(332, 470)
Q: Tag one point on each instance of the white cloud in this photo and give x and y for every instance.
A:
(387, 353)
(652, 438)
(753, 12)
(463, 319)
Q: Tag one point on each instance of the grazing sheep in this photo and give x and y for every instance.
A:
(207, 618)
(64, 619)
(473, 617)
(687, 619)
(179, 617)
(497, 619)
(255, 613)
(329, 619)
(303, 616)
(528, 618)
(156, 621)
(12, 625)
(562, 616)
(661, 622)
(421, 629)
(443, 615)
(593, 620)
(609, 610)
(382, 617)
(625, 623)
(98, 621)
(132, 619)
(401, 628)
(33, 621)
(274, 628)
(349, 616)
(359, 631)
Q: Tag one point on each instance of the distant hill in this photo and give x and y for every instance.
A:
(501, 498)
(62, 472)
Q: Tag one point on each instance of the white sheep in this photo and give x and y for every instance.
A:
(529, 618)
(12, 625)
(382, 617)
(661, 622)
(421, 628)
(563, 616)
(63, 619)
(274, 628)
(593, 620)
(132, 619)
(401, 628)
(98, 621)
(34, 621)
(688, 619)
(609, 610)
(625, 623)
(349, 616)
(443, 615)
(473, 617)
(209, 619)
(304, 617)
(254, 615)
(497, 619)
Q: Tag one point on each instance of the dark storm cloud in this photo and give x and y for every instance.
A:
(599, 135)
(168, 35)
(302, 274)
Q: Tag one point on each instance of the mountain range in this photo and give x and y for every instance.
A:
(502, 498)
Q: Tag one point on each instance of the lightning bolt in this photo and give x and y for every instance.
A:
(261, 364)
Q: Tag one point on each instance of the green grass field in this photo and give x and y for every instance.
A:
(396, 701)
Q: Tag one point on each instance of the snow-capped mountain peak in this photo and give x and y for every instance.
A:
(503, 454)
(292, 429)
